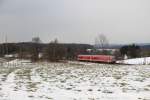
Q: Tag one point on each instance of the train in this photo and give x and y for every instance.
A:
(97, 58)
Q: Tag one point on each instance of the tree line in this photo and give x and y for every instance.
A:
(55, 51)
(130, 51)
(35, 50)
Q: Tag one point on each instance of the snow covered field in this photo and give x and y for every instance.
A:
(136, 61)
(74, 81)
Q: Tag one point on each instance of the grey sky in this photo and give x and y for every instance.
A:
(79, 21)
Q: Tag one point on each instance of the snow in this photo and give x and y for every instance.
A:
(16, 63)
(139, 61)
(75, 81)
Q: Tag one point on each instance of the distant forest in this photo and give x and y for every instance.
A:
(55, 51)
(51, 51)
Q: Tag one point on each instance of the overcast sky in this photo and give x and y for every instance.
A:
(75, 21)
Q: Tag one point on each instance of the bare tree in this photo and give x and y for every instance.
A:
(55, 51)
(34, 50)
(36, 40)
(101, 41)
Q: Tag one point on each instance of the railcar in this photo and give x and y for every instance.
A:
(97, 58)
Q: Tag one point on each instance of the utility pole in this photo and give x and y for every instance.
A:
(3, 46)
(6, 44)
(144, 60)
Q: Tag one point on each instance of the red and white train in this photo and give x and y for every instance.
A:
(97, 58)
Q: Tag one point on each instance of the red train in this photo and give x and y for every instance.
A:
(97, 58)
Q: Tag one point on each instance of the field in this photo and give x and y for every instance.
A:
(74, 81)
